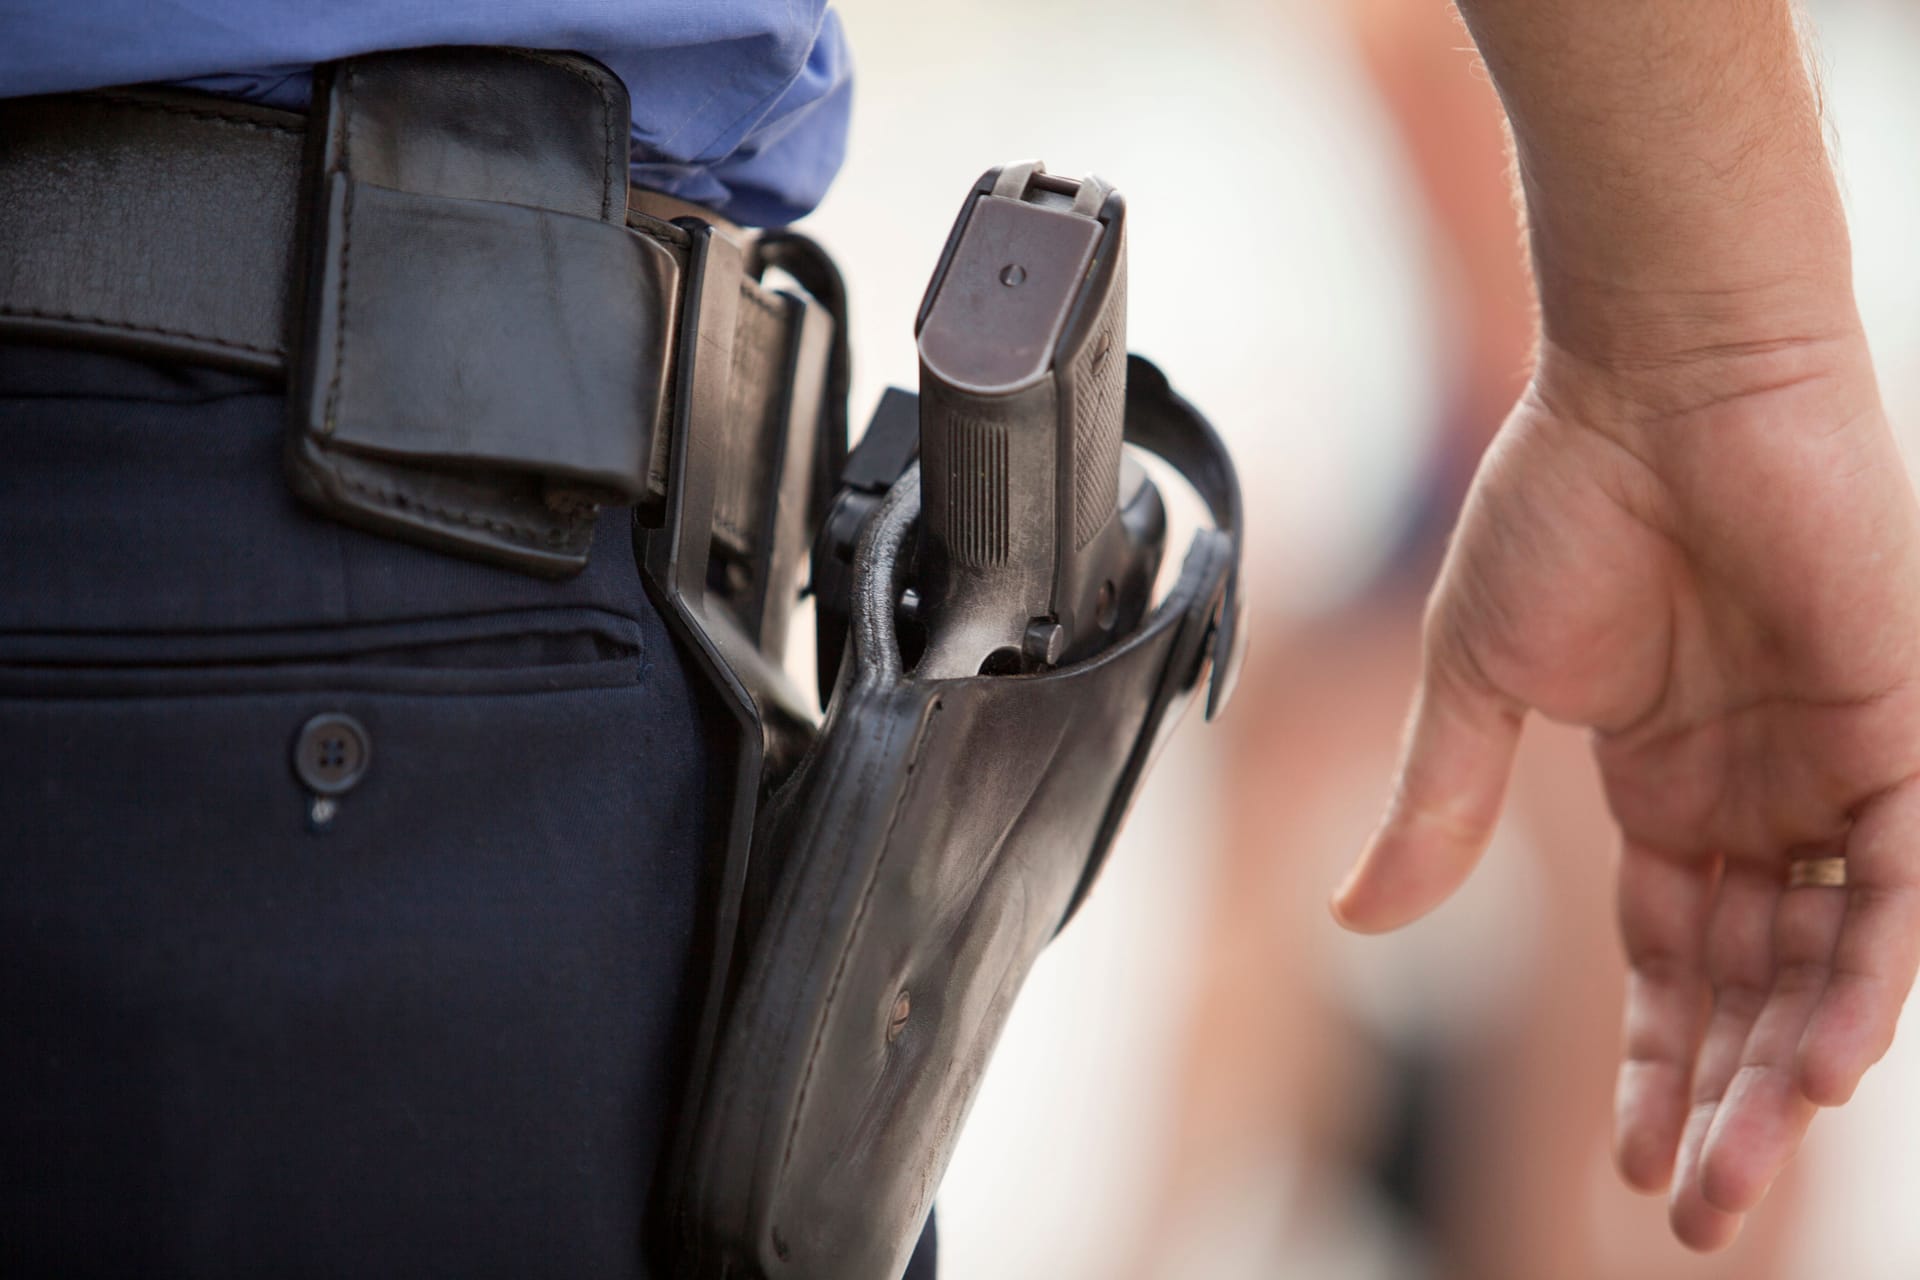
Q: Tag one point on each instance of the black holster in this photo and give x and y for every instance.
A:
(933, 840)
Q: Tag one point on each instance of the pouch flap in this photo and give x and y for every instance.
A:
(491, 335)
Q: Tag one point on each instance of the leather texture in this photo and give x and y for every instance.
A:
(150, 222)
(480, 338)
(510, 125)
(905, 880)
(446, 177)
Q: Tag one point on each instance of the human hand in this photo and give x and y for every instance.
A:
(1713, 562)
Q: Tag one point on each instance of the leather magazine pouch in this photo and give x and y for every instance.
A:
(483, 355)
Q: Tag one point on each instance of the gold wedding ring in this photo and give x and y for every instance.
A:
(1817, 873)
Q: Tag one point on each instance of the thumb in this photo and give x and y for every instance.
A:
(1452, 779)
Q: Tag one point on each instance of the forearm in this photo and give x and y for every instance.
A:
(1678, 191)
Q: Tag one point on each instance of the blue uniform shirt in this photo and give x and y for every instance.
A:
(740, 105)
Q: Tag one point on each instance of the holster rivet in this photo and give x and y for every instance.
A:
(902, 1006)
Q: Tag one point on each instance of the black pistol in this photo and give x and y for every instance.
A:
(1040, 538)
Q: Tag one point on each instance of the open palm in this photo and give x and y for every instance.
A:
(1716, 566)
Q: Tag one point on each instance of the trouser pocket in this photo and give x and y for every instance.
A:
(425, 1026)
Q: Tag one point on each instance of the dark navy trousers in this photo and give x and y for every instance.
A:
(428, 1029)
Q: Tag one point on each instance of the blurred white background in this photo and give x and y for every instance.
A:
(1204, 1078)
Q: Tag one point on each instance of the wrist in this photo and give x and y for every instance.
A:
(1682, 312)
(1646, 305)
(1812, 376)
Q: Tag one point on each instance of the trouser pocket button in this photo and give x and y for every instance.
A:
(331, 754)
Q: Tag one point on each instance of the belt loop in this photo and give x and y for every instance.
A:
(763, 727)
(678, 553)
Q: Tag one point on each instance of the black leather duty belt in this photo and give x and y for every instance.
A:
(482, 345)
